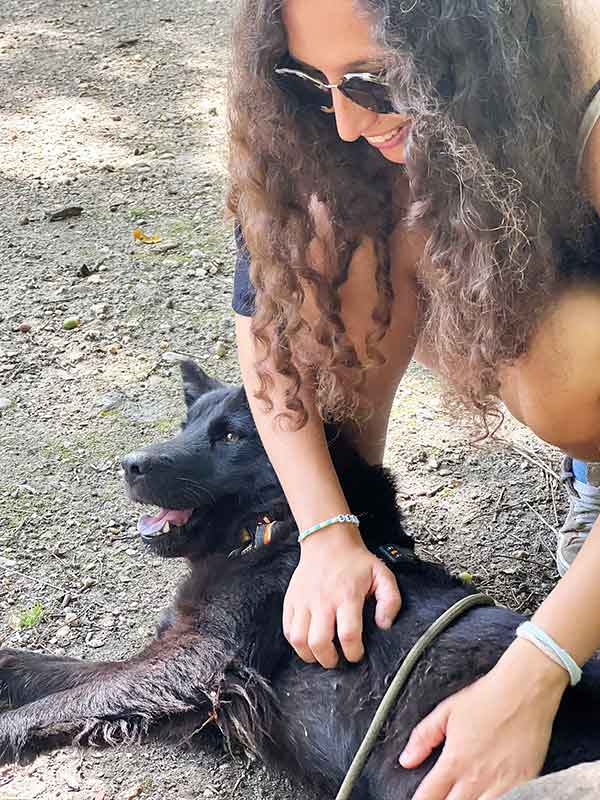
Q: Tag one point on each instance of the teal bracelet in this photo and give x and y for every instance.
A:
(532, 633)
(326, 523)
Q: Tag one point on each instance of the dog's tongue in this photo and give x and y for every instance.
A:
(148, 525)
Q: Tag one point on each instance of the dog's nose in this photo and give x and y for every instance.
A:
(136, 464)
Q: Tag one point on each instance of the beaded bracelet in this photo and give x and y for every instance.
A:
(532, 633)
(326, 523)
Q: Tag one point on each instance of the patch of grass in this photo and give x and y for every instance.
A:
(135, 213)
(167, 426)
(30, 618)
(146, 785)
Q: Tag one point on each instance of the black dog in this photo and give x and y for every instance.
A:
(220, 654)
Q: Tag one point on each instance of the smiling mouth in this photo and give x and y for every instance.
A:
(167, 521)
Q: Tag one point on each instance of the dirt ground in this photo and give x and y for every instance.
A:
(118, 108)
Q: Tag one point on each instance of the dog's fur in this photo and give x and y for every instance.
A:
(220, 655)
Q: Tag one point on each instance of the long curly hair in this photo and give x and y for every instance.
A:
(491, 163)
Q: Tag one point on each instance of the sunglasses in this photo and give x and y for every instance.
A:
(363, 88)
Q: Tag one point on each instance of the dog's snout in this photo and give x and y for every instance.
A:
(136, 464)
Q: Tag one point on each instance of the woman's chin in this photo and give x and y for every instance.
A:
(396, 155)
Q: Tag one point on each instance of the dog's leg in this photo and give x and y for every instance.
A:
(172, 676)
(25, 677)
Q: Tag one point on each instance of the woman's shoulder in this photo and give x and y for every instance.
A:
(582, 18)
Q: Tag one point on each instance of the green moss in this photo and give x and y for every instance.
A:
(140, 213)
(30, 618)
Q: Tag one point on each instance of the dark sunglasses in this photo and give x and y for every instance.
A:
(363, 88)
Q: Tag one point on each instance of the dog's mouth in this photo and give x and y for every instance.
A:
(168, 521)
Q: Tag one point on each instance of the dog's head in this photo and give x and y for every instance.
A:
(211, 481)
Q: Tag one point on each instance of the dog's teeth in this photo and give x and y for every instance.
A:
(166, 528)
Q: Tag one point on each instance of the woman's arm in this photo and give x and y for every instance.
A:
(336, 571)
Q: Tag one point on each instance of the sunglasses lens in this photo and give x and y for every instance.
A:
(374, 96)
(305, 91)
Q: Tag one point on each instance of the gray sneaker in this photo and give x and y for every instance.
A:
(584, 510)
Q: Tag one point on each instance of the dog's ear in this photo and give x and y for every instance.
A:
(238, 401)
(196, 382)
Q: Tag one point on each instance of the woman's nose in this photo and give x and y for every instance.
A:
(350, 118)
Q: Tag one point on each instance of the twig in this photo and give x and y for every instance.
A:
(237, 785)
(532, 459)
(499, 503)
(542, 519)
(32, 578)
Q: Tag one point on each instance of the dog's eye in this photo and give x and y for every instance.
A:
(231, 438)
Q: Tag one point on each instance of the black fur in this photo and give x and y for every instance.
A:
(220, 655)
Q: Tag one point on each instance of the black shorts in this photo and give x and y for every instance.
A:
(244, 293)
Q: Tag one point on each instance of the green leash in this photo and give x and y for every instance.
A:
(396, 686)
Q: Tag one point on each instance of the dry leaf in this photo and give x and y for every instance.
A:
(140, 236)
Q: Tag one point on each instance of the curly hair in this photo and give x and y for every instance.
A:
(491, 165)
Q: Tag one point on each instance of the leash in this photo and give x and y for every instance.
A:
(398, 684)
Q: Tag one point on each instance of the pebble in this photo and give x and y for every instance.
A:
(25, 327)
(171, 357)
(101, 310)
(95, 643)
(131, 792)
(5, 402)
(221, 349)
(70, 618)
(72, 780)
(63, 632)
(107, 621)
(71, 323)
(196, 254)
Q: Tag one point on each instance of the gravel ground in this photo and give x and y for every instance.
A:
(116, 109)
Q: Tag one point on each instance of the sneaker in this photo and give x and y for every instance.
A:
(584, 510)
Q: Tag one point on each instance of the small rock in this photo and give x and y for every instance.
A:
(107, 621)
(25, 327)
(87, 583)
(5, 402)
(131, 792)
(63, 632)
(63, 213)
(101, 310)
(196, 254)
(24, 221)
(71, 323)
(71, 618)
(170, 304)
(221, 349)
(172, 358)
(72, 780)
(95, 642)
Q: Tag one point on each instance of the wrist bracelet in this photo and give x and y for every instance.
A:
(532, 633)
(326, 523)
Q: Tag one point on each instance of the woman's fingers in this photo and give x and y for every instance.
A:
(438, 785)
(426, 736)
(350, 629)
(320, 638)
(387, 595)
(298, 635)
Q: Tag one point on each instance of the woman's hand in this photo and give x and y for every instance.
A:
(496, 731)
(327, 594)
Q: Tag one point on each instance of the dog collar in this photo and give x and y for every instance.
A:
(250, 541)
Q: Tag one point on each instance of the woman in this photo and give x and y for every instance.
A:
(437, 204)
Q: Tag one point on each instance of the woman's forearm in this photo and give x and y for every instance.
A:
(300, 458)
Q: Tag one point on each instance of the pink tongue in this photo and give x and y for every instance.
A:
(148, 525)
